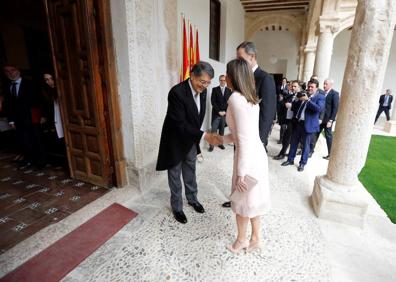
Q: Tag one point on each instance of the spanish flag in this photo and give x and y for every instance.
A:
(191, 49)
(197, 59)
(185, 66)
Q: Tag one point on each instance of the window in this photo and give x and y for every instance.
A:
(214, 30)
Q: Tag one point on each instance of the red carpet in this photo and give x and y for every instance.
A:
(56, 261)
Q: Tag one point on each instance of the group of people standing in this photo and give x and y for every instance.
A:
(303, 115)
(29, 109)
(250, 111)
(247, 101)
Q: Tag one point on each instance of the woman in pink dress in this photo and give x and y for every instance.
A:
(250, 197)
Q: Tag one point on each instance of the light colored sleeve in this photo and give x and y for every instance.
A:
(229, 138)
(241, 124)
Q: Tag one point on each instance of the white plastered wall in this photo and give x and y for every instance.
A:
(281, 45)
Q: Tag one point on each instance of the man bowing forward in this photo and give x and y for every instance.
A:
(180, 137)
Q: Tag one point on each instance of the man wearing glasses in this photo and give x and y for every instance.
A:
(219, 99)
(180, 137)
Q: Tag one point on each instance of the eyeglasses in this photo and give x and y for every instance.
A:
(204, 83)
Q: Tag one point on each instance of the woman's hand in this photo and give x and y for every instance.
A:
(241, 185)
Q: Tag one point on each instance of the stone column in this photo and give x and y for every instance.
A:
(301, 60)
(390, 126)
(339, 195)
(324, 51)
(309, 62)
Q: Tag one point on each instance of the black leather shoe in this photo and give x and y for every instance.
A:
(226, 205)
(287, 163)
(327, 157)
(197, 207)
(279, 157)
(210, 149)
(180, 216)
(221, 147)
(300, 167)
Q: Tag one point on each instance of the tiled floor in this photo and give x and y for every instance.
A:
(31, 200)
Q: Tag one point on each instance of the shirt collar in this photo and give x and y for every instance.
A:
(18, 81)
(255, 67)
(191, 87)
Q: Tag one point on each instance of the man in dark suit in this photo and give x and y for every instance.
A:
(289, 119)
(219, 99)
(22, 104)
(265, 89)
(327, 116)
(181, 134)
(307, 111)
(385, 102)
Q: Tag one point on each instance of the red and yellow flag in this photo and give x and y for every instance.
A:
(185, 66)
(197, 59)
(191, 49)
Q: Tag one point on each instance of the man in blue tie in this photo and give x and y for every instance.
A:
(307, 111)
(385, 102)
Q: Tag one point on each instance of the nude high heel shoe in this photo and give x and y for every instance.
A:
(254, 246)
(238, 246)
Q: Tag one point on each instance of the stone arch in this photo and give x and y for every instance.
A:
(292, 23)
(345, 23)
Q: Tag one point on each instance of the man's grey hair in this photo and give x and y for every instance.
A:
(249, 47)
(202, 67)
(330, 80)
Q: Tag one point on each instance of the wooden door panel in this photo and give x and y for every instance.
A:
(76, 54)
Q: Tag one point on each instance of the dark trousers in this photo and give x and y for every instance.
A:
(185, 168)
(287, 136)
(298, 134)
(30, 140)
(218, 123)
(328, 135)
(379, 112)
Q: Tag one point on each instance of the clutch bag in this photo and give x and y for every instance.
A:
(250, 183)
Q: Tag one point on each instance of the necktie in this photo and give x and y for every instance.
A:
(300, 109)
(14, 89)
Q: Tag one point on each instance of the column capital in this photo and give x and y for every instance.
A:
(329, 24)
(309, 49)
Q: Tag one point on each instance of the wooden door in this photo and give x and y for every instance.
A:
(80, 81)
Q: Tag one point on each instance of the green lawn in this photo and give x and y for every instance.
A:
(379, 173)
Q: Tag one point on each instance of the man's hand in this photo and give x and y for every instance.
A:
(329, 124)
(222, 113)
(304, 98)
(288, 105)
(213, 139)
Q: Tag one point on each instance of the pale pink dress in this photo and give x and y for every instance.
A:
(250, 156)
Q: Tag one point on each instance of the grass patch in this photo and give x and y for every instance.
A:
(379, 173)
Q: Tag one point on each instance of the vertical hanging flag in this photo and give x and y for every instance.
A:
(191, 49)
(197, 59)
(185, 67)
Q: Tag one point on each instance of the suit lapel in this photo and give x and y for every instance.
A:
(191, 102)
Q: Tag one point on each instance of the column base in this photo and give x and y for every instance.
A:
(343, 204)
(390, 126)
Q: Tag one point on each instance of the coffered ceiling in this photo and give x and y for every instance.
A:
(274, 5)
